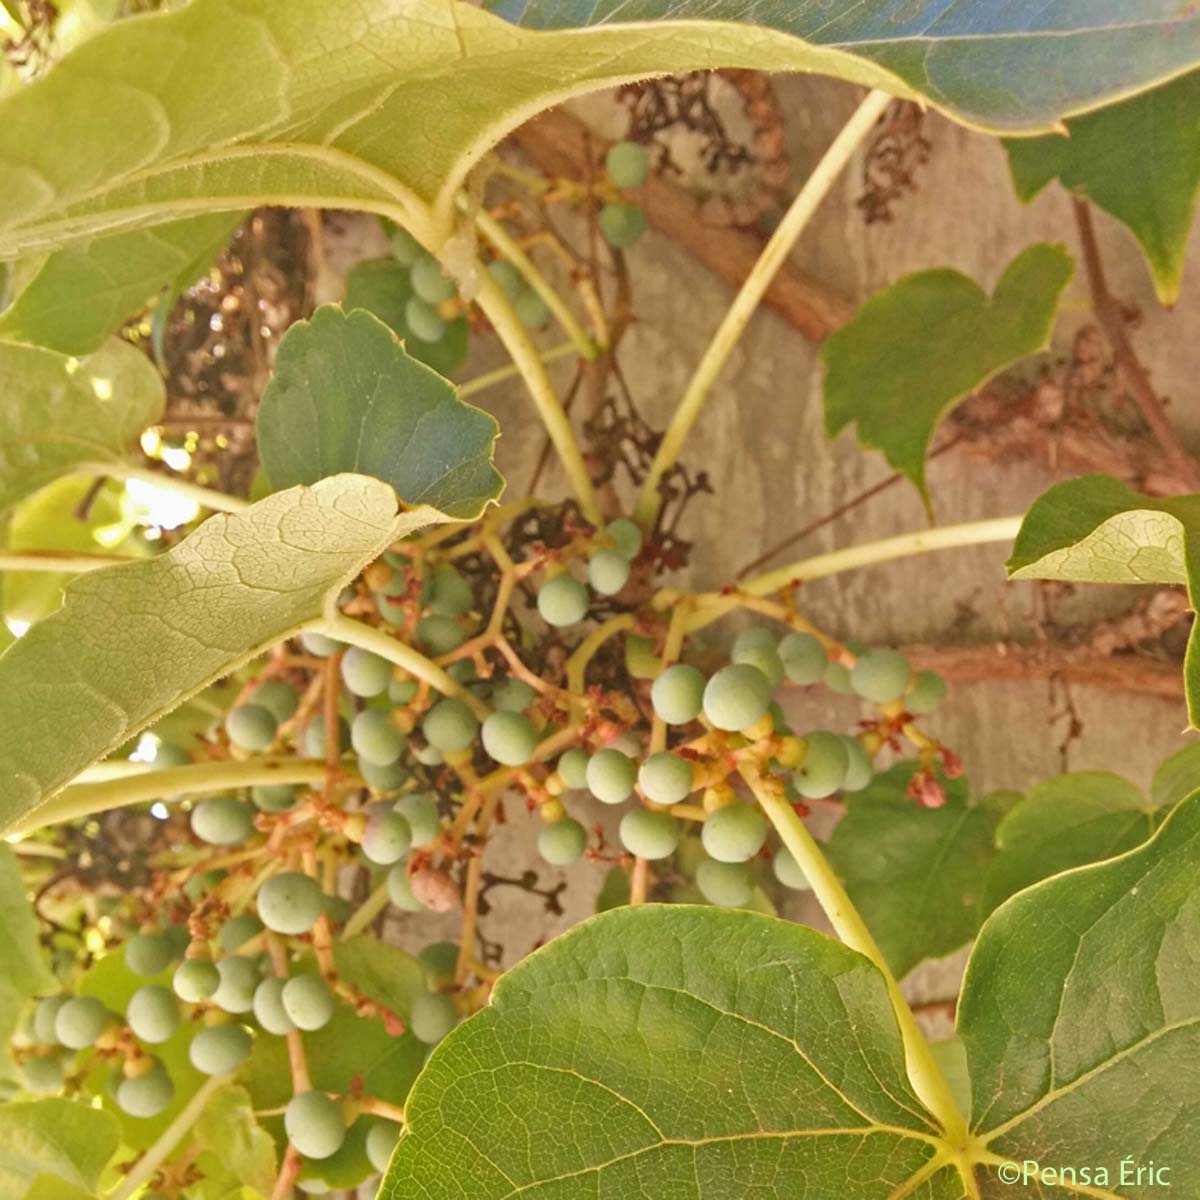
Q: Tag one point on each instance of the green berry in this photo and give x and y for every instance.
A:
(926, 694)
(430, 281)
(365, 674)
(152, 1013)
(273, 797)
(43, 1075)
(290, 903)
(651, 835)
(44, 1017)
(509, 738)
(729, 885)
(149, 954)
(405, 248)
(511, 281)
(626, 537)
(308, 1002)
(237, 931)
(532, 311)
(677, 695)
(440, 961)
(756, 637)
(381, 1141)
(563, 842)
(562, 600)
(788, 871)
(608, 572)
(195, 980)
(736, 697)
(402, 691)
(836, 678)
(145, 1095)
(399, 888)
(314, 737)
(268, 1007)
(220, 1049)
(823, 771)
(203, 882)
(450, 726)
(622, 224)
(859, 769)
(251, 726)
(420, 810)
(432, 1017)
(448, 593)
(734, 834)
(318, 645)
(387, 838)
(222, 821)
(439, 635)
(238, 977)
(513, 695)
(389, 778)
(315, 1124)
(765, 658)
(627, 164)
(424, 321)
(572, 766)
(375, 738)
(80, 1021)
(665, 778)
(611, 776)
(278, 698)
(881, 676)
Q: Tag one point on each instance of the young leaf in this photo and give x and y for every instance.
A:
(58, 413)
(383, 973)
(263, 119)
(1177, 778)
(915, 874)
(916, 349)
(228, 1128)
(1056, 58)
(82, 295)
(1094, 529)
(672, 1051)
(382, 287)
(1081, 1016)
(53, 1137)
(1138, 160)
(133, 641)
(25, 972)
(346, 396)
(1068, 821)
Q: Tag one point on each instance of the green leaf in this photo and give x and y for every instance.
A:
(260, 118)
(672, 1051)
(53, 1137)
(58, 413)
(1094, 529)
(48, 520)
(614, 891)
(1014, 64)
(133, 641)
(346, 396)
(1081, 1016)
(82, 295)
(1068, 821)
(51, 1187)
(1177, 778)
(919, 347)
(25, 972)
(382, 287)
(915, 874)
(386, 974)
(228, 1129)
(348, 1166)
(1138, 160)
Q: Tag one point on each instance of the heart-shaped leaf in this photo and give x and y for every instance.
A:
(1081, 1017)
(82, 295)
(133, 641)
(1055, 58)
(1177, 778)
(1069, 821)
(315, 102)
(70, 1141)
(919, 347)
(1095, 529)
(346, 396)
(915, 874)
(229, 1129)
(58, 413)
(672, 1051)
(1138, 160)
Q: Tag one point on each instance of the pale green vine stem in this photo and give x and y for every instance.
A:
(923, 1071)
(499, 311)
(355, 633)
(148, 1165)
(502, 374)
(83, 799)
(205, 497)
(904, 545)
(752, 291)
(366, 912)
(508, 247)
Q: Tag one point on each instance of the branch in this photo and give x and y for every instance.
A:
(1112, 320)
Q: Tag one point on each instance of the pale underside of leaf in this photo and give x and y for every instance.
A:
(133, 641)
